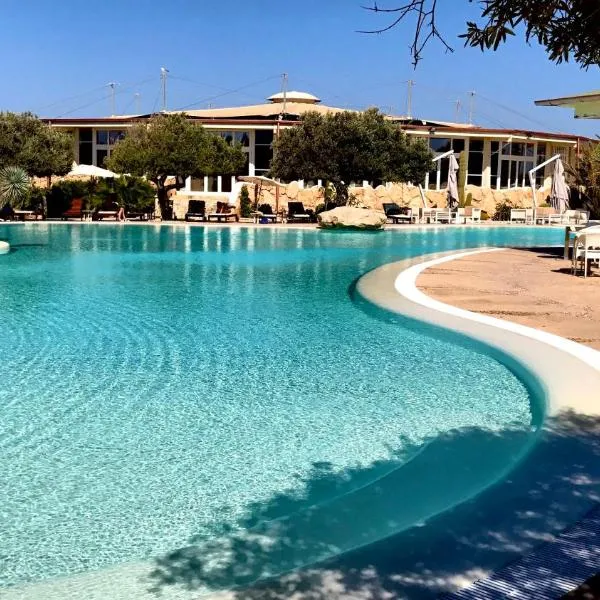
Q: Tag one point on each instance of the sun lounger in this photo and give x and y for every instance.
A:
(472, 214)
(442, 215)
(265, 212)
(297, 212)
(7, 213)
(196, 210)
(75, 210)
(397, 214)
(223, 213)
(109, 210)
(521, 214)
(142, 216)
(586, 249)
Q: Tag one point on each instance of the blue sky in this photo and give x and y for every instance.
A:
(59, 56)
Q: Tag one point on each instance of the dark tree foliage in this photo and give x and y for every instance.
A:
(349, 147)
(29, 143)
(586, 175)
(567, 29)
(169, 148)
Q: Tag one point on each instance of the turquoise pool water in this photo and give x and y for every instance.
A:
(217, 390)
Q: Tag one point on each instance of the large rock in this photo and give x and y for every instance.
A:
(348, 217)
(4, 247)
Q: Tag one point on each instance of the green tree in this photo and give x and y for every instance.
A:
(14, 186)
(349, 147)
(586, 175)
(170, 148)
(567, 29)
(245, 203)
(29, 143)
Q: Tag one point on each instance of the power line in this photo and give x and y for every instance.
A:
(516, 112)
(235, 91)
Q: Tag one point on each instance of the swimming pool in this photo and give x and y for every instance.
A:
(217, 393)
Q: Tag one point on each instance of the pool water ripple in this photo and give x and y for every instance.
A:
(168, 386)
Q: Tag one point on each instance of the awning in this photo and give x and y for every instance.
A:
(586, 106)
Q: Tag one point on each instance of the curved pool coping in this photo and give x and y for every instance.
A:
(569, 372)
(393, 287)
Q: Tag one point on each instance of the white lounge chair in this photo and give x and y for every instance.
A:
(472, 214)
(582, 217)
(442, 215)
(521, 214)
(586, 249)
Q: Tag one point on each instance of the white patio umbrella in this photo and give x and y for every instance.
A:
(452, 189)
(559, 194)
(90, 171)
(259, 181)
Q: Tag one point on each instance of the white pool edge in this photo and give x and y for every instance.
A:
(406, 286)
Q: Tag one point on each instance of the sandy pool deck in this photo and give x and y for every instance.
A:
(533, 287)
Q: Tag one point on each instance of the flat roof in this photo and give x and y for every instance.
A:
(586, 105)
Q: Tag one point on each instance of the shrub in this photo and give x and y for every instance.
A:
(58, 198)
(245, 204)
(14, 186)
(135, 194)
(502, 212)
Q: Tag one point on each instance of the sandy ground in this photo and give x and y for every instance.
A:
(533, 287)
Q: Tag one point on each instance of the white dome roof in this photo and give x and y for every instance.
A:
(294, 97)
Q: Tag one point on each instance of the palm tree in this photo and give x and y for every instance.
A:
(14, 186)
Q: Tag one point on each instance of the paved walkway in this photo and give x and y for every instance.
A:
(531, 287)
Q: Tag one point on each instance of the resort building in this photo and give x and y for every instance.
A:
(497, 159)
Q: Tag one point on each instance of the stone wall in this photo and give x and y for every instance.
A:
(368, 197)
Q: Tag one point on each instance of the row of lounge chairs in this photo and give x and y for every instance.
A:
(546, 215)
(197, 210)
(109, 210)
(401, 214)
(224, 212)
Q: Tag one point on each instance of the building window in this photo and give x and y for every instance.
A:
(494, 161)
(475, 164)
(103, 141)
(541, 157)
(516, 160)
(197, 184)
(437, 178)
(86, 147)
(263, 150)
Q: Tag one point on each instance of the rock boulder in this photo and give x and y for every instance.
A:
(348, 217)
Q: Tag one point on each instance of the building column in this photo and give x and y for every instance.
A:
(486, 180)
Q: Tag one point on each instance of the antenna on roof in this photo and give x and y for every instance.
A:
(458, 108)
(163, 85)
(112, 85)
(138, 105)
(410, 84)
(284, 86)
(471, 107)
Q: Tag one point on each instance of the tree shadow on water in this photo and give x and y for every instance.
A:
(301, 546)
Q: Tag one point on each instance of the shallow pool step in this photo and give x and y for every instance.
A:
(547, 573)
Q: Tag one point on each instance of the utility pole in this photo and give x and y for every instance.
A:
(410, 84)
(471, 106)
(112, 85)
(137, 100)
(163, 85)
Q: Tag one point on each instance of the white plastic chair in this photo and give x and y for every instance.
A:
(586, 249)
